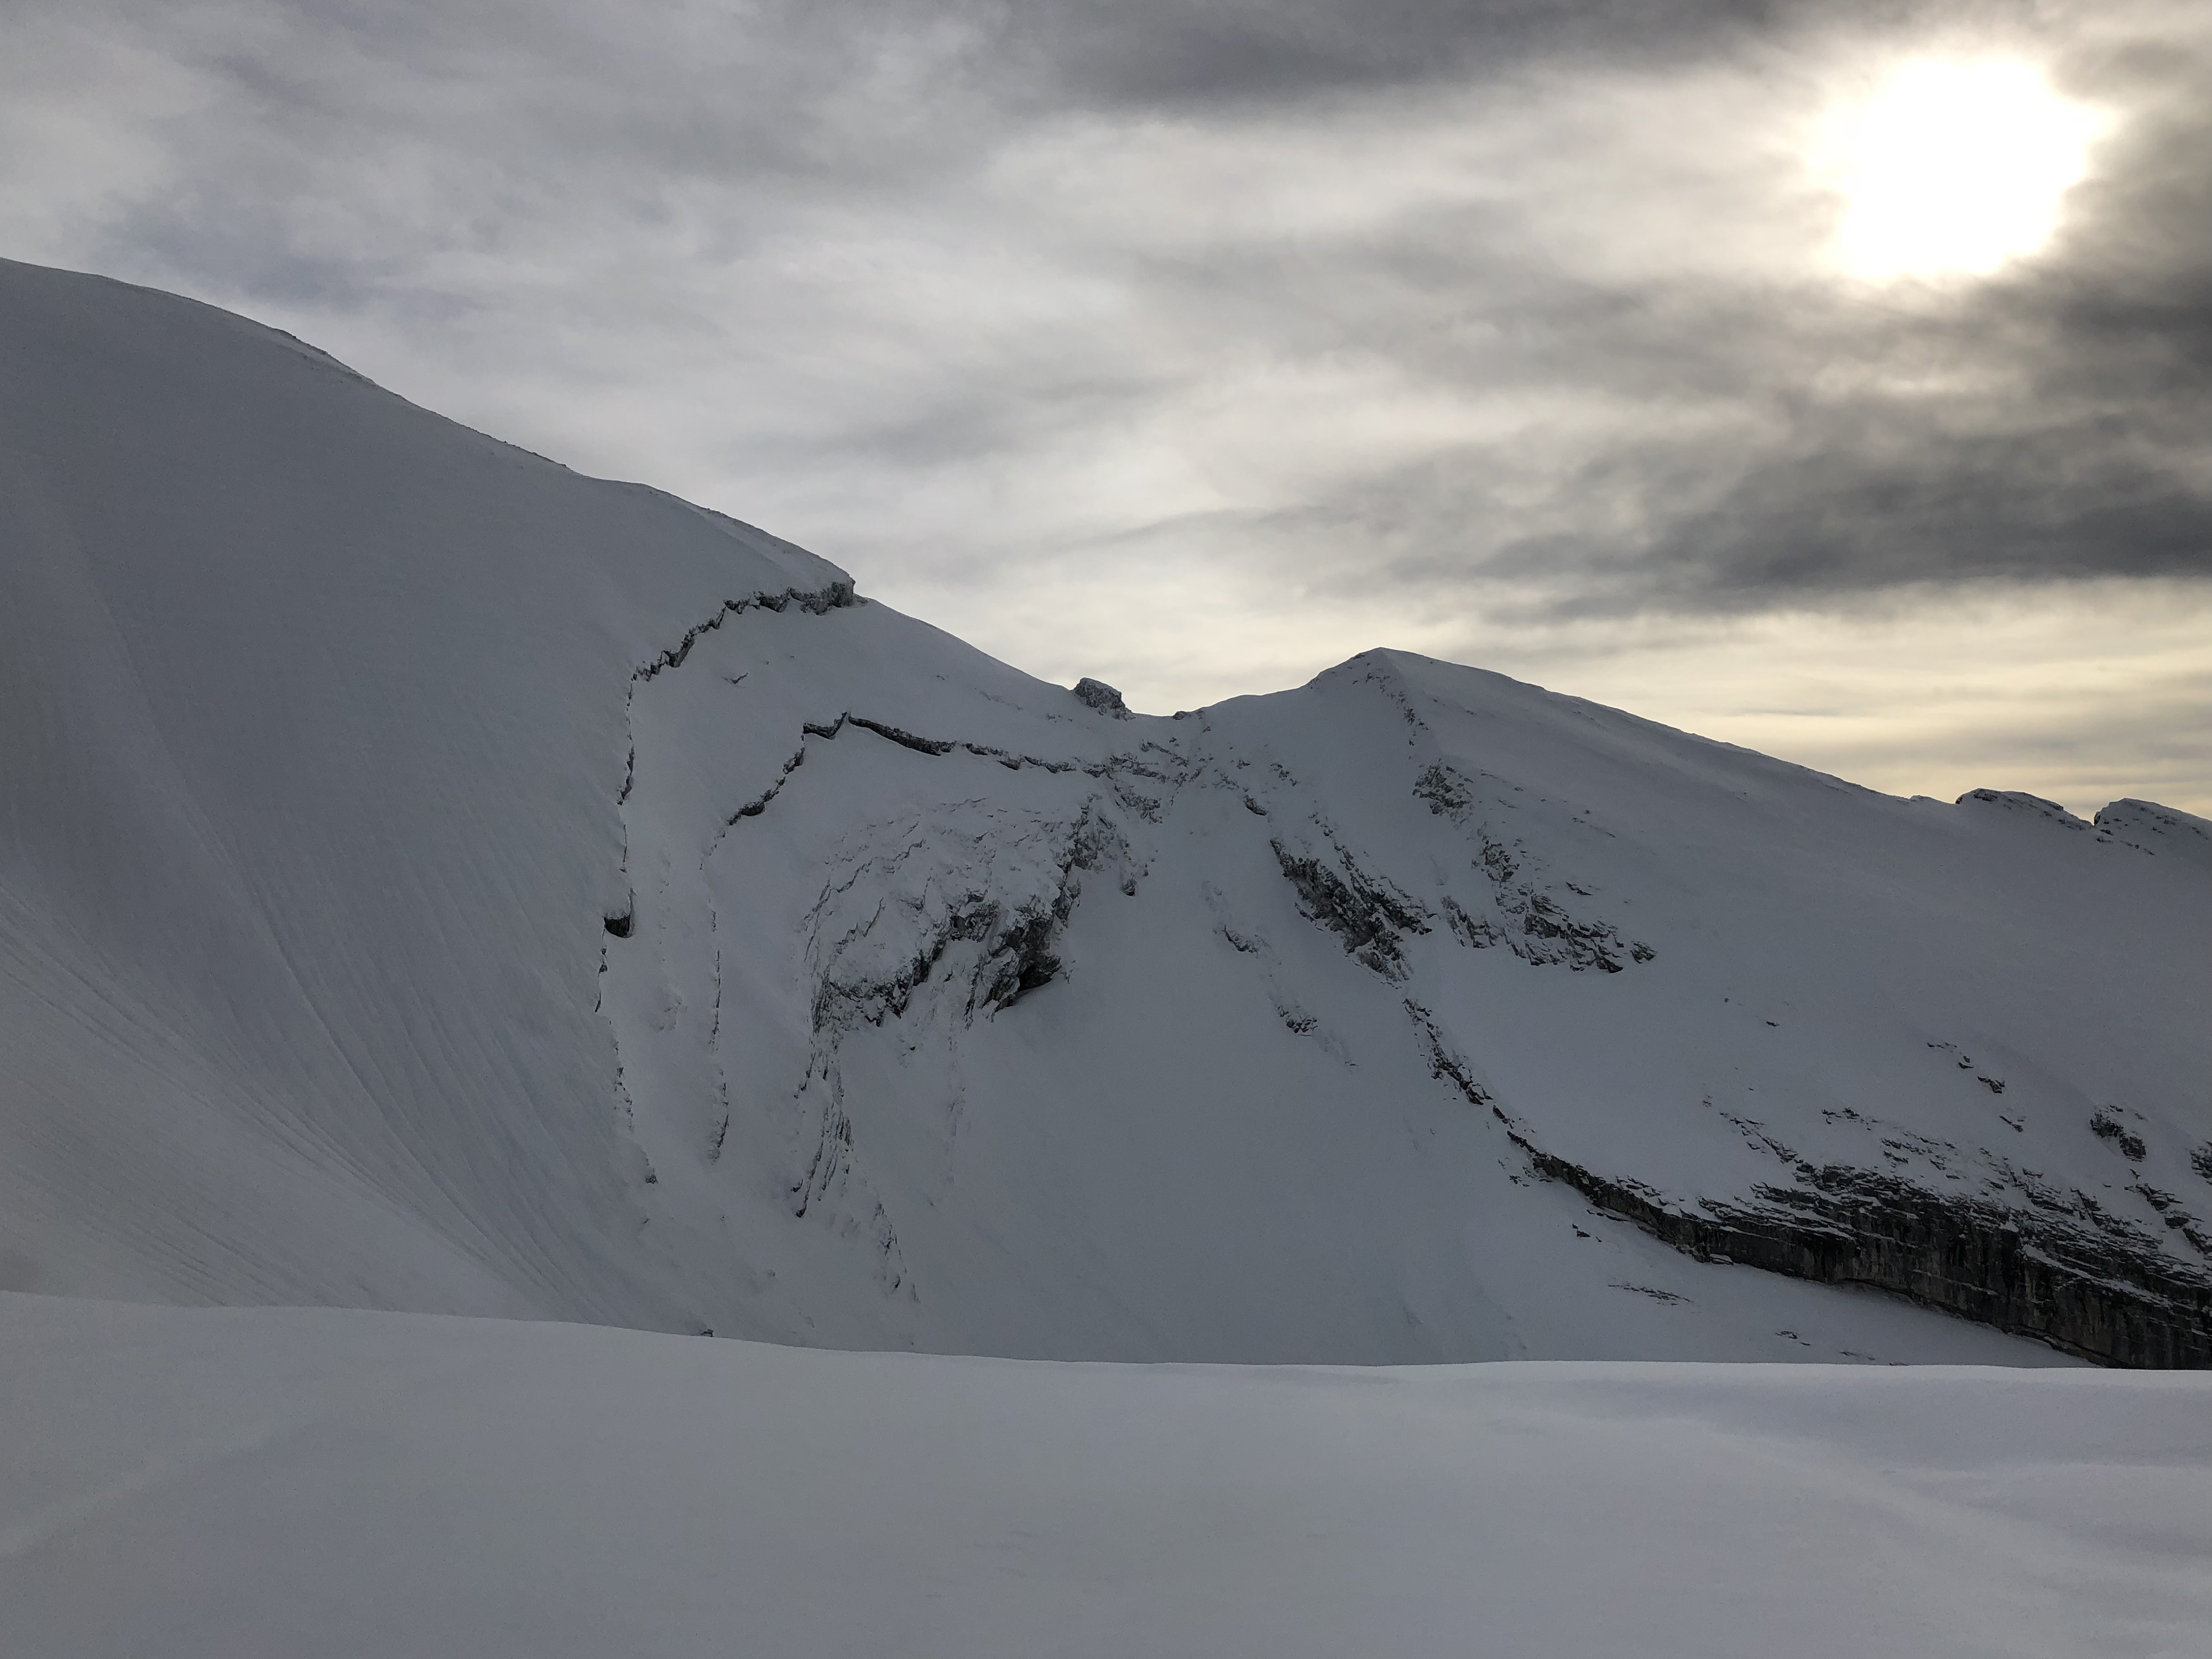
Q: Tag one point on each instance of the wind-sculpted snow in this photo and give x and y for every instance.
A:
(435, 880)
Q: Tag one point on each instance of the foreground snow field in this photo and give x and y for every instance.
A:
(235, 1483)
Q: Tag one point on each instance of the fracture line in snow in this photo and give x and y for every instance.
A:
(812, 601)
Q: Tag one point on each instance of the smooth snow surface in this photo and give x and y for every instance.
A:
(310, 726)
(433, 880)
(242, 1483)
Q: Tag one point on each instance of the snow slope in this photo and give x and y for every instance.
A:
(436, 881)
(312, 728)
(1034, 1013)
(249, 1482)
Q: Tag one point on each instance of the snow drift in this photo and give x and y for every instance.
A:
(433, 880)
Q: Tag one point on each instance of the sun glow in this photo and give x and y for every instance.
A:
(1952, 167)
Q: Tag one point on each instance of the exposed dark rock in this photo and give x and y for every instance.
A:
(2151, 828)
(620, 926)
(1014, 959)
(1554, 935)
(1447, 1066)
(1367, 912)
(1478, 932)
(2018, 801)
(831, 1162)
(1102, 697)
(1022, 956)
(1445, 791)
(2099, 1293)
(2105, 1126)
(1016, 941)
(2172, 1212)
(2077, 1278)
(1535, 927)
(1529, 922)
(758, 803)
(832, 597)
(904, 739)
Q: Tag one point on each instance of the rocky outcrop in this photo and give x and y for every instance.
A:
(990, 886)
(1102, 697)
(2106, 1293)
(1366, 912)
(816, 600)
(2019, 801)
(2159, 830)
(1525, 913)
(2105, 1126)
(2060, 1268)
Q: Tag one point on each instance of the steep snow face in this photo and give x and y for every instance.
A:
(311, 730)
(435, 880)
(1324, 1024)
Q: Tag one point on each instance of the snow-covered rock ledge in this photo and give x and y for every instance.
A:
(2088, 1286)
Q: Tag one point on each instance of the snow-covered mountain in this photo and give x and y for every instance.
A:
(433, 880)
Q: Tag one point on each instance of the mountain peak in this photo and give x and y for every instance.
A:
(440, 881)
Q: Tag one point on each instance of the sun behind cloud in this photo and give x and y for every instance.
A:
(1952, 167)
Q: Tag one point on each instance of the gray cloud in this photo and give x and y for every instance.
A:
(1183, 54)
(2045, 426)
(967, 285)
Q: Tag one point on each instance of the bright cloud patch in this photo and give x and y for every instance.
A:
(1953, 167)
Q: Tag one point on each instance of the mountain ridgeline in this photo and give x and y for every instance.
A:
(436, 880)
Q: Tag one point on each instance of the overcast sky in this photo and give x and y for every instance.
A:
(1198, 344)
